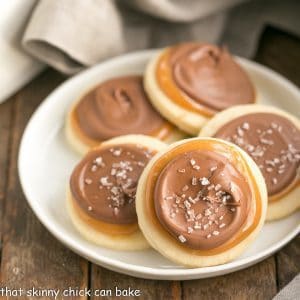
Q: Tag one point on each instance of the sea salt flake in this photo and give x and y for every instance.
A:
(187, 204)
(240, 131)
(114, 190)
(204, 181)
(212, 169)
(94, 168)
(98, 161)
(246, 126)
(194, 181)
(88, 181)
(190, 229)
(192, 162)
(117, 152)
(181, 238)
(104, 181)
(217, 187)
(199, 216)
(185, 188)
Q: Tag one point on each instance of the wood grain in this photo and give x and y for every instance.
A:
(288, 262)
(280, 51)
(258, 281)
(149, 289)
(5, 122)
(31, 257)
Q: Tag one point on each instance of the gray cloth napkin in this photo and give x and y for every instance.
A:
(73, 34)
(291, 291)
(70, 35)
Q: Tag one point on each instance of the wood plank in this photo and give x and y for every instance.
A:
(5, 122)
(31, 257)
(258, 281)
(149, 289)
(280, 51)
(288, 262)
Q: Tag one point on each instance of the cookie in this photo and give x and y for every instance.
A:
(115, 107)
(272, 138)
(190, 82)
(102, 190)
(201, 202)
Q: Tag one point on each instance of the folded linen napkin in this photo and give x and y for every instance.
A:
(16, 66)
(71, 35)
(291, 291)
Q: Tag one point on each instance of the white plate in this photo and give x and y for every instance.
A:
(46, 161)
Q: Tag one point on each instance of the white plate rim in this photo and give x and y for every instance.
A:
(127, 268)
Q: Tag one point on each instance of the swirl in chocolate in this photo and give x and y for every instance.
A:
(115, 107)
(104, 182)
(210, 76)
(202, 199)
(272, 141)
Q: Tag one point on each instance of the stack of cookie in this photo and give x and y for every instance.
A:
(182, 159)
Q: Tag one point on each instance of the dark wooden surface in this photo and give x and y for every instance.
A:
(31, 257)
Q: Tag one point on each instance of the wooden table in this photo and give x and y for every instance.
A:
(31, 257)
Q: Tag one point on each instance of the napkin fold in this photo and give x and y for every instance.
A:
(291, 291)
(181, 11)
(70, 35)
(73, 34)
(16, 66)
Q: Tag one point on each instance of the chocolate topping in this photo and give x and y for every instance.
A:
(202, 199)
(210, 76)
(272, 141)
(115, 107)
(104, 182)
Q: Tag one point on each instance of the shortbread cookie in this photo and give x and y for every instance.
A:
(272, 138)
(190, 82)
(101, 195)
(201, 202)
(116, 107)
